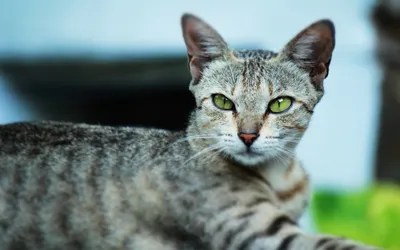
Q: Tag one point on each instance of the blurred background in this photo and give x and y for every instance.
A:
(123, 62)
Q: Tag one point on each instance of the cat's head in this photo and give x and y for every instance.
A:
(254, 105)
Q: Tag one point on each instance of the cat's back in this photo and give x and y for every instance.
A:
(29, 140)
(54, 145)
(57, 181)
(15, 138)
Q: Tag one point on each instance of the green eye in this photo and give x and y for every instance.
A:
(280, 104)
(222, 102)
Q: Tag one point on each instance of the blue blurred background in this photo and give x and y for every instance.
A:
(99, 61)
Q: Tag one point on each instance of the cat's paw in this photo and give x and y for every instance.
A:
(361, 247)
(349, 245)
(333, 242)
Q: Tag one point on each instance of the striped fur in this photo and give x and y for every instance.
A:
(76, 186)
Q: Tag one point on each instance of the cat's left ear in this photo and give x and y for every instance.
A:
(203, 44)
(311, 50)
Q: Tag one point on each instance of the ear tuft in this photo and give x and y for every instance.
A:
(311, 50)
(203, 43)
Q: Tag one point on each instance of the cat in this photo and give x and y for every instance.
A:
(230, 181)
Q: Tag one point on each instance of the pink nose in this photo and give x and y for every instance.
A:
(248, 139)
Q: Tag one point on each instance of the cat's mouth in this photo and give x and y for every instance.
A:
(249, 153)
(249, 157)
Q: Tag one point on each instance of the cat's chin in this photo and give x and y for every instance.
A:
(250, 159)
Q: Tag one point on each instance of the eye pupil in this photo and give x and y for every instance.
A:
(280, 104)
(222, 102)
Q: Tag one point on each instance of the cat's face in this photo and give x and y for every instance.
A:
(253, 109)
(254, 106)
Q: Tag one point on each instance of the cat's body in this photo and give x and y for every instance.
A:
(231, 181)
(84, 184)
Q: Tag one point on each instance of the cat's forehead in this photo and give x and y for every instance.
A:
(258, 74)
(255, 55)
(252, 68)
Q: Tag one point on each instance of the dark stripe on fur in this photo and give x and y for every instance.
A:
(233, 89)
(220, 226)
(119, 176)
(36, 235)
(247, 242)
(19, 182)
(270, 89)
(45, 176)
(227, 206)
(257, 201)
(349, 248)
(236, 188)
(285, 244)
(17, 244)
(64, 208)
(231, 234)
(308, 109)
(251, 172)
(278, 223)
(332, 247)
(244, 74)
(98, 189)
(212, 186)
(258, 82)
(245, 215)
(298, 128)
(322, 242)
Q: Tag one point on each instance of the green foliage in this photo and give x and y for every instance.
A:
(371, 216)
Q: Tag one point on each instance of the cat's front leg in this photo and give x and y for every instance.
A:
(259, 225)
(234, 210)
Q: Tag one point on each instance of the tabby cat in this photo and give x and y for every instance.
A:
(229, 182)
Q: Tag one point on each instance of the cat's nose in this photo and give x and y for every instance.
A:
(248, 138)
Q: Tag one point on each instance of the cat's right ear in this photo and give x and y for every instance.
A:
(203, 44)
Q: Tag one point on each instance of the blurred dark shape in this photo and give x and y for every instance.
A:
(386, 17)
(151, 92)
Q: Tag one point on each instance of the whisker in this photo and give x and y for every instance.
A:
(277, 156)
(196, 137)
(205, 150)
(202, 136)
(291, 139)
(285, 152)
(214, 154)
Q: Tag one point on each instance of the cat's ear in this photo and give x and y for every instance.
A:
(203, 43)
(311, 50)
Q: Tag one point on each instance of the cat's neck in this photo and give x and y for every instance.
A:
(288, 180)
